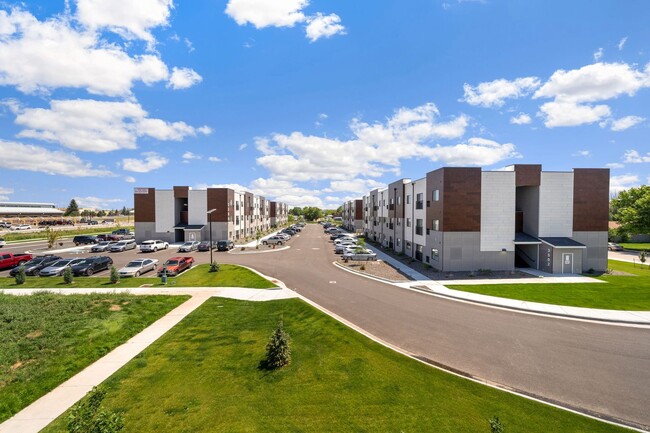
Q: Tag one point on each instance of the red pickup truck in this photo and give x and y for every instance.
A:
(176, 265)
(9, 260)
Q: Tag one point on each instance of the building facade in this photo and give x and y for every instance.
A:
(181, 214)
(460, 219)
(353, 215)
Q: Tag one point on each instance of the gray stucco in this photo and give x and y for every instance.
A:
(461, 251)
(595, 255)
(147, 231)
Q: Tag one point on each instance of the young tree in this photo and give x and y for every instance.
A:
(67, 275)
(73, 209)
(278, 352)
(51, 236)
(643, 256)
(495, 425)
(20, 276)
(86, 416)
(115, 276)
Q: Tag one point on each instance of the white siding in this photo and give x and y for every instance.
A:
(197, 206)
(165, 220)
(556, 205)
(497, 210)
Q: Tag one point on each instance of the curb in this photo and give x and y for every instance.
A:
(363, 274)
(259, 252)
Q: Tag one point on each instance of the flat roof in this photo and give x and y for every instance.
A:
(562, 242)
(8, 211)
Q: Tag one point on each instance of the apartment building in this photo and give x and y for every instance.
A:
(459, 219)
(181, 214)
(353, 215)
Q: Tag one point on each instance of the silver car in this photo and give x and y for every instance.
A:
(360, 255)
(102, 246)
(135, 268)
(58, 267)
(123, 245)
(188, 246)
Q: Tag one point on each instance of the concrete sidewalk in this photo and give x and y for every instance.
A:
(46, 409)
(423, 284)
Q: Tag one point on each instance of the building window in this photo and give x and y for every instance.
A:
(398, 241)
(418, 201)
(408, 199)
(399, 200)
(435, 225)
(408, 222)
(408, 245)
(435, 254)
(435, 196)
(418, 227)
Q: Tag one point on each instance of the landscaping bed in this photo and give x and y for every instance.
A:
(206, 375)
(45, 339)
(375, 268)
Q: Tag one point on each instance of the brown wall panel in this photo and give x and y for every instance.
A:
(528, 174)
(218, 198)
(358, 209)
(181, 191)
(145, 207)
(590, 199)
(461, 198)
(248, 203)
(273, 209)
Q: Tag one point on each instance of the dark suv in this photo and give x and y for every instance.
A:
(92, 265)
(34, 265)
(84, 240)
(225, 245)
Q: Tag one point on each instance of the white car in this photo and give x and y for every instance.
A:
(345, 239)
(2, 243)
(21, 227)
(188, 247)
(135, 268)
(364, 255)
(153, 245)
(340, 247)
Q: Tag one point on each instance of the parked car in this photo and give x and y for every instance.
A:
(289, 232)
(611, 246)
(340, 248)
(5, 224)
(92, 223)
(345, 239)
(102, 246)
(284, 236)
(123, 234)
(154, 245)
(176, 265)
(274, 240)
(92, 265)
(34, 265)
(135, 268)
(123, 245)
(205, 246)
(2, 243)
(188, 247)
(84, 240)
(360, 255)
(21, 227)
(58, 268)
(9, 260)
(225, 245)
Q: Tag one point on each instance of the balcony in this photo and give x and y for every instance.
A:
(375, 208)
(418, 231)
(390, 226)
(418, 204)
(391, 207)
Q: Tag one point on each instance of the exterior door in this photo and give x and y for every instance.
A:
(567, 263)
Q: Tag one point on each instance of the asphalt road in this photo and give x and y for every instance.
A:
(596, 368)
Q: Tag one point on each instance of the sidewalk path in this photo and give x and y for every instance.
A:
(46, 409)
(423, 284)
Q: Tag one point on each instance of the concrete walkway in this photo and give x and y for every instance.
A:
(433, 287)
(46, 409)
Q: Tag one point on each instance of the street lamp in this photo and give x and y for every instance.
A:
(210, 219)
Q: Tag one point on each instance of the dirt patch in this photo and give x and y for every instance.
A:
(35, 334)
(126, 302)
(114, 307)
(16, 366)
(376, 268)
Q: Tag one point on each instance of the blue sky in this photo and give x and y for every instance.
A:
(313, 102)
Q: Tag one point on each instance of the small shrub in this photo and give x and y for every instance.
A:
(20, 276)
(86, 416)
(214, 267)
(495, 425)
(115, 276)
(591, 271)
(643, 256)
(278, 352)
(363, 267)
(67, 275)
(485, 271)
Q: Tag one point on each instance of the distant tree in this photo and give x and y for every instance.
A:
(339, 211)
(278, 352)
(85, 213)
(631, 208)
(101, 214)
(296, 211)
(312, 213)
(86, 416)
(73, 209)
(125, 211)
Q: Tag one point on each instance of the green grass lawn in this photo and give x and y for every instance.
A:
(46, 339)
(80, 230)
(620, 293)
(635, 246)
(203, 376)
(198, 276)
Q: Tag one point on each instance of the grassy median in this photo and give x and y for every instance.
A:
(622, 292)
(45, 339)
(204, 376)
(198, 276)
(16, 236)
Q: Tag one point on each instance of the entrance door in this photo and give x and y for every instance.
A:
(567, 263)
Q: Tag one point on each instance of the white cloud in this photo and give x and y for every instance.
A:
(129, 179)
(233, 186)
(320, 26)
(183, 78)
(494, 93)
(584, 153)
(130, 19)
(633, 156)
(521, 119)
(622, 182)
(615, 165)
(214, 159)
(598, 54)
(376, 148)
(37, 56)
(243, 146)
(626, 122)
(621, 43)
(190, 155)
(97, 126)
(5, 192)
(323, 116)
(358, 186)
(189, 45)
(263, 13)
(18, 156)
(97, 203)
(569, 113)
(152, 161)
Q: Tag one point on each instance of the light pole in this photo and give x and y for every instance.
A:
(210, 219)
